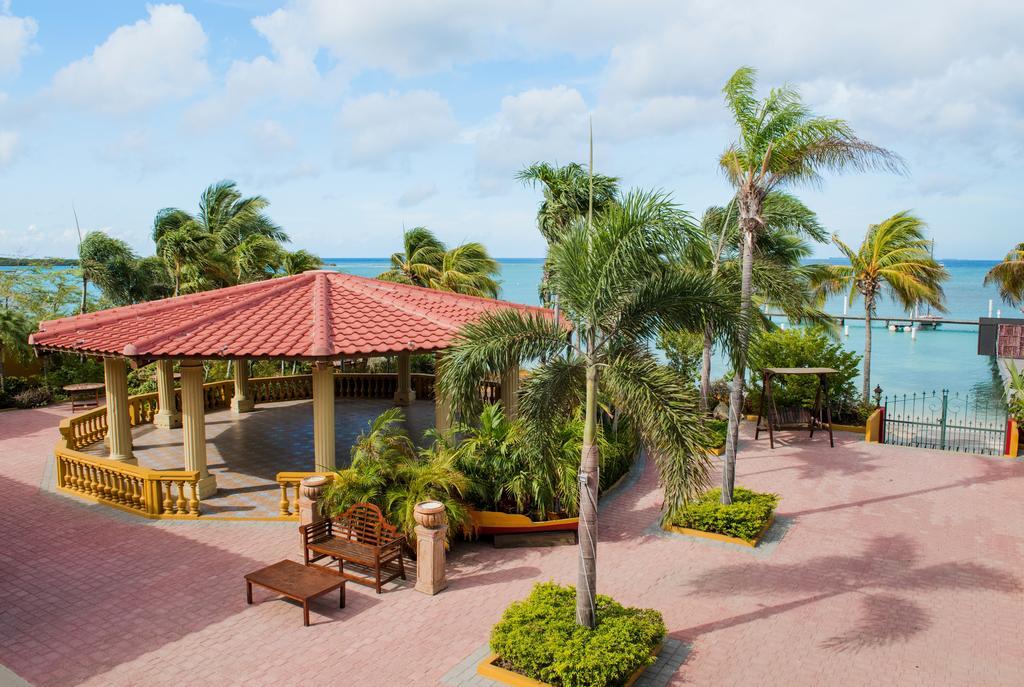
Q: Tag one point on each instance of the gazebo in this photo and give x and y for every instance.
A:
(320, 317)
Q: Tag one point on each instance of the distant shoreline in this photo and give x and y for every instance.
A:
(38, 262)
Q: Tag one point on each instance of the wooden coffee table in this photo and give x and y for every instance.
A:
(80, 394)
(296, 581)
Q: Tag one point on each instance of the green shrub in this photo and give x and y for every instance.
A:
(717, 429)
(805, 348)
(32, 398)
(538, 637)
(744, 518)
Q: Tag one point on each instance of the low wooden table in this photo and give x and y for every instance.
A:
(296, 581)
(80, 394)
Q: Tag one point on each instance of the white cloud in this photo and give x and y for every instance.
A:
(416, 195)
(383, 125)
(16, 34)
(271, 138)
(8, 147)
(140, 65)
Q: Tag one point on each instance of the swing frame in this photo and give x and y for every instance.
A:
(821, 401)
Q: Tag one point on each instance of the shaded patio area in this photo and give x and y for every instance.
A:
(245, 452)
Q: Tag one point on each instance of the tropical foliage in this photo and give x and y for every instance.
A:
(425, 261)
(617, 291)
(14, 331)
(388, 471)
(780, 144)
(894, 259)
(538, 638)
(229, 240)
(812, 347)
(1008, 276)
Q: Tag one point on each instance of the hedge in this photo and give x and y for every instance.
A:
(539, 638)
(744, 518)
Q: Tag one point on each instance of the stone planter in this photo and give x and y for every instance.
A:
(491, 522)
(722, 537)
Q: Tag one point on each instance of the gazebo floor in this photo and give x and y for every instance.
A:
(246, 451)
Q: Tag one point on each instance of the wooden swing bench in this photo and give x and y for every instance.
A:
(795, 417)
(360, 536)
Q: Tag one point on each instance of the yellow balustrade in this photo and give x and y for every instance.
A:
(289, 483)
(490, 391)
(151, 493)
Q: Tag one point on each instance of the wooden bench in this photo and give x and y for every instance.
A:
(360, 536)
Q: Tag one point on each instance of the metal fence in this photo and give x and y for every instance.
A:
(946, 421)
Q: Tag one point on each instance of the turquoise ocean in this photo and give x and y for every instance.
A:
(945, 358)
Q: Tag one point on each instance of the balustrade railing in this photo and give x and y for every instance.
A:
(289, 483)
(287, 388)
(490, 391)
(152, 493)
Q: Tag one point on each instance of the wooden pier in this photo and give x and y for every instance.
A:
(925, 322)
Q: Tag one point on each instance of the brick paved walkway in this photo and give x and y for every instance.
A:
(899, 566)
(246, 451)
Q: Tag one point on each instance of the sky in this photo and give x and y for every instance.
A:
(356, 119)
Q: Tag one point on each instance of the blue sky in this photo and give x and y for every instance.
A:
(355, 119)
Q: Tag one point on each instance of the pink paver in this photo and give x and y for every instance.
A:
(900, 567)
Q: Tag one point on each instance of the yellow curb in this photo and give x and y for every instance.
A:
(721, 537)
(488, 668)
(717, 450)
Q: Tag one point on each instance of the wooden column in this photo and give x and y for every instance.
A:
(510, 392)
(193, 422)
(242, 401)
(323, 417)
(442, 406)
(167, 416)
(119, 427)
(404, 395)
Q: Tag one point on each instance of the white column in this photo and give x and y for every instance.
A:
(323, 417)
(242, 401)
(404, 395)
(442, 406)
(510, 392)
(119, 427)
(193, 422)
(167, 416)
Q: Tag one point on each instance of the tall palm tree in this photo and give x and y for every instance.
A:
(781, 144)
(617, 290)
(780, 280)
(225, 220)
(569, 191)
(426, 261)
(894, 258)
(96, 252)
(1009, 276)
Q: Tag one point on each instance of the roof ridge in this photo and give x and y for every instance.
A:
(132, 349)
(322, 331)
(101, 317)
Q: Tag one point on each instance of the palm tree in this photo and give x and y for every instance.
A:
(781, 143)
(567, 193)
(466, 269)
(299, 261)
(420, 257)
(225, 222)
(96, 252)
(894, 257)
(780, 279)
(184, 245)
(14, 331)
(617, 291)
(1009, 276)
(426, 261)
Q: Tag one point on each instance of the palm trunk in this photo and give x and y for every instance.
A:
(85, 295)
(866, 390)
(705, 372)
(748, 224)
(586, 578)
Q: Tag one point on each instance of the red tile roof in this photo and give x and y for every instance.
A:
(317, 314)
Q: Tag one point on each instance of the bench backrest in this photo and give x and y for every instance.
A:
(364, 523)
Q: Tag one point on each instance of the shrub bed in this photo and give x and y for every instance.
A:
(539, 638)
(744, 518)
(717, 429)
